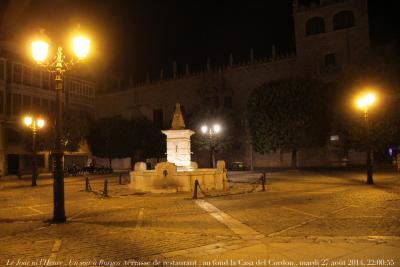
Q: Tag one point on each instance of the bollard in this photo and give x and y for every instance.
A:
(87, 184)
(263, 178)
(196, 184)
(105, 191)
(120, 178)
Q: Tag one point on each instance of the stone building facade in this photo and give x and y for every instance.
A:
(29, 89)
(329, 36)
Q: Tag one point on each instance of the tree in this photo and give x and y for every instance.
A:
(378, 71)
(75, 129)
(117, 137)
(210, 115)
(43, 138)
(146, 140)
(109, 138)
(289, 115)
(384, 130)
(215, 94)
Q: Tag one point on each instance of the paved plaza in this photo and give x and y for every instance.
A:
(303, 219)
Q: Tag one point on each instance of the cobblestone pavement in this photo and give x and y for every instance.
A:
(337, 212)
(333, 204)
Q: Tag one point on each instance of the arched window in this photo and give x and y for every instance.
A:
(342, 20)
(315, 25)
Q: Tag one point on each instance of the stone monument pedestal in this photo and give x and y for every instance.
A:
(178, 148)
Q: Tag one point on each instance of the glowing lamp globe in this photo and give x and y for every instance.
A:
(81, 46)
(40, 123)
(28, 121)
(217, 128)
(366, 100)
(361, 102)
(39, 51)
(369, 99)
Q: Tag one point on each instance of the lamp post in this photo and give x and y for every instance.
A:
(58, 66)
(211, 132)
(34, 124)
(364, 102)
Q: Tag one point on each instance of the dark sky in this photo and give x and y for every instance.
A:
(136, 36)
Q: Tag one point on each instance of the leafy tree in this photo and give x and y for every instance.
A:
(210, 115)
(109, 138)
(288, 115)
(117, 137)
(75, 129)
(214, 109)
(146, 140)
(383, 123)
(377, 71)
(43, 138)
(76, 126)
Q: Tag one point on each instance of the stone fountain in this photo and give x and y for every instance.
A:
(179, 172)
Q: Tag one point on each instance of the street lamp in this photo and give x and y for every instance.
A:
(211, 132)
(34, 124)
(364, 102)
(58, 66)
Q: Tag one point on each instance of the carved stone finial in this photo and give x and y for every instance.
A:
(177, 121)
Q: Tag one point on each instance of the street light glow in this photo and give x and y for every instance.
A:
(361, 102)
(217, 128)
(34, 124)
(366, 100)
(369, 99)
(211, 132)
(40, 123)
(81, 46)
(28, 121)
(39, 51)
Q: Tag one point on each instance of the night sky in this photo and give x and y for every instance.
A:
(133, 37)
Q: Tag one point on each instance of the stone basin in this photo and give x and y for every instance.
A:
(166, 178)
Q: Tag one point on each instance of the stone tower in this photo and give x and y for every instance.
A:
(330, 34)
